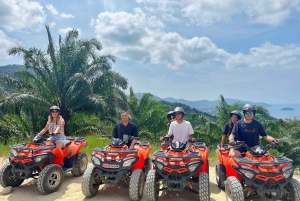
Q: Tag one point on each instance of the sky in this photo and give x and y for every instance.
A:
(189, 49)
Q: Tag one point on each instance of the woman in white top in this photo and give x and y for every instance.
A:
(55, 126)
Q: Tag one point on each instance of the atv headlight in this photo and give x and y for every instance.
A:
(40, 157)
(193, 167)
(247, 173)
(287, 173)
(96, 160)
(128, 162)
(13, 153)
(158, 165)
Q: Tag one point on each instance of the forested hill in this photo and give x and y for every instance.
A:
(188, 110)
(11, 69)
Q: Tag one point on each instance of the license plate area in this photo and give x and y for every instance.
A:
(111, 166)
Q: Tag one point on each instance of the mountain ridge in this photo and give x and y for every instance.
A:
(203, 105)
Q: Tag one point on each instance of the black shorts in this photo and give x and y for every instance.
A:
(242, 150)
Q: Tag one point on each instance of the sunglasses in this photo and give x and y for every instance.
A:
(252, 113)
(54, 111)
(171, 118)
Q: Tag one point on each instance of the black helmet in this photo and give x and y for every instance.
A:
(178, 146)
(249, 107)
(179, 109)
(54, 107)
(170, 113)
(237, 113)
(117, 142)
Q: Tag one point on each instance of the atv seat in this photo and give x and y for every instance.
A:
(144, 143)
(67, 144)
(226, 147)
(200, 144)
(80, 139)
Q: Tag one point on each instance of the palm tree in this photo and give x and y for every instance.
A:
(224, 109)
(71, 76)
(148, 115)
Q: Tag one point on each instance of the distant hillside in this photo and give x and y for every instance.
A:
(11, 69)
(203, 105)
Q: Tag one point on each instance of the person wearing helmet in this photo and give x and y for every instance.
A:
(125, 127)
(234, 117)
(181, 130)
(171, 118)
(248, 130)
(55, 126)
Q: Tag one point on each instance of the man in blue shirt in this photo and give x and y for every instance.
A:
(248, 130)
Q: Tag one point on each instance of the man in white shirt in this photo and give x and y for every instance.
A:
(180, 129)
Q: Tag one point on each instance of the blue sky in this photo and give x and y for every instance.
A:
(195, 50)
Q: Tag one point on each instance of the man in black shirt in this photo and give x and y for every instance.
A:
(248, 130)
(125, 127)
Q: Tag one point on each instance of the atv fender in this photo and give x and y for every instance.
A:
(230, 171)
(204, 158)
(73, 148)
(58, 156)
(139, 164)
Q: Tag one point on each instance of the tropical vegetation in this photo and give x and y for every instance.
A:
(73, 75)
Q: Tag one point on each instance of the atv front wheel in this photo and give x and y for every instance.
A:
(50, 179)
(220, 175)
(292, 190)
(151, 186)
(233, 189)
(90, 182)
(203, 192)
(136, 185)
(7, 178)
(79, 165)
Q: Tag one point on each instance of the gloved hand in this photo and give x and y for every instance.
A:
(231, 142)
(278, 141)
(37, 139)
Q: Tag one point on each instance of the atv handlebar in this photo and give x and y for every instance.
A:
(193, 140)
(265, 149)
(129, 137)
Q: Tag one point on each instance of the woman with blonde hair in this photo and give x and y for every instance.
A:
(55, 126)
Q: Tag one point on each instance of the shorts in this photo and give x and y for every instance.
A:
(242, 150)
(59, 138)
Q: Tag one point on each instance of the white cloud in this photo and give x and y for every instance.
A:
(207, 12)
(136, 37)
(55, 13)
(67, 16)
(5, 43)
(267, 55)
(141, 38)
(66, 30)
(52, 24)
(17, 15)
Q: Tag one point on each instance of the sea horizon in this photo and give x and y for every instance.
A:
(277, 112)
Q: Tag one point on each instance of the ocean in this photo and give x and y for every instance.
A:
(276, 111)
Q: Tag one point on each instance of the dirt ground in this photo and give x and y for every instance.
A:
(71, 191)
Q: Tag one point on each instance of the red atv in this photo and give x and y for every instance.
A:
(117, 163)
(259, 173)
(177, 168)
(40, 161)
